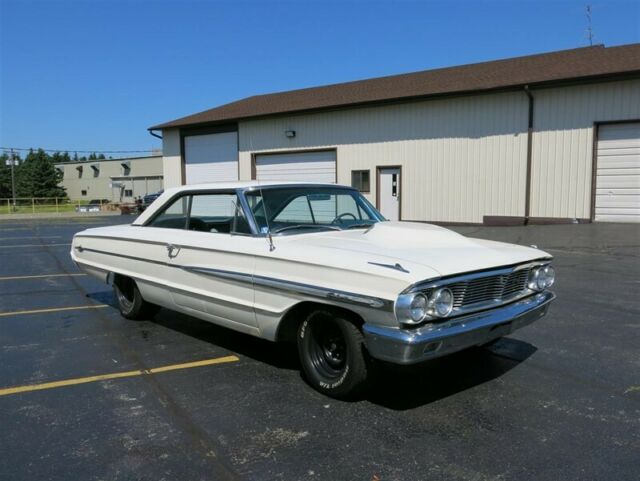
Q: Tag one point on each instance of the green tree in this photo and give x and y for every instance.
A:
(38, 177)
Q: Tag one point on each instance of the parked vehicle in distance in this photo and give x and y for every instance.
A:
(318, 264)
(148, 199)
(94, 205)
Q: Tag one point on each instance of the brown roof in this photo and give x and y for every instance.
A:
(532, 70)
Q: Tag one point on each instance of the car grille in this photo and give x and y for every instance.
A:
(501, 287)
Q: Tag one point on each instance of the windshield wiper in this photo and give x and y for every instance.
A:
(305, 226)
(358, 226)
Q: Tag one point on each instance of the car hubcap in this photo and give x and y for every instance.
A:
(327, 349)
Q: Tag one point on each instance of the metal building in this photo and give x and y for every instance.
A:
(115, 180)
(553, 137)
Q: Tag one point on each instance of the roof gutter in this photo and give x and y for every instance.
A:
(154, 134)
(527, 198)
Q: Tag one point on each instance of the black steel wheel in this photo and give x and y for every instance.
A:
(130, 301)
(332, 354)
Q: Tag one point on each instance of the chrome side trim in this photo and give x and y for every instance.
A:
(296, 288)
(79, 248)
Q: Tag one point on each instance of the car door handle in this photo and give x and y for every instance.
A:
(172, 251)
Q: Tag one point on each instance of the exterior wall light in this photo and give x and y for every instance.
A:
(290, 133)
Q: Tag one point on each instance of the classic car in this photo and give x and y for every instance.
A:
(318, 265)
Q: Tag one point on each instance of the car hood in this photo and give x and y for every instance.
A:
(424, 250)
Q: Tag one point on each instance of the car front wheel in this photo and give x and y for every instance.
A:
(332, 354)
(130, 301)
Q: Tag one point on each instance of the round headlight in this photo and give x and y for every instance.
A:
(549, 276)
(536, 279)
(418, 307)
(442, 302)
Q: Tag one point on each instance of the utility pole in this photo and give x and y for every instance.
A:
(12, 159)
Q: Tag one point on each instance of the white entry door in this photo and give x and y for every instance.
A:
(618, 174)
(389, 192)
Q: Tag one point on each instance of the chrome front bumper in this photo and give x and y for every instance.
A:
(408, 346)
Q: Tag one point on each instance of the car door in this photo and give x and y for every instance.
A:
(214, 260)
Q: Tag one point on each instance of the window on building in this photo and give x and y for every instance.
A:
(83, 192)
(79, 169)
(128, 193)
(360, 180)
(96, 170)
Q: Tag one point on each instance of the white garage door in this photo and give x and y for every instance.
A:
(211, 158)
(618, 175)
(298, 167)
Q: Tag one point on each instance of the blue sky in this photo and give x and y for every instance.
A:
(93, 75)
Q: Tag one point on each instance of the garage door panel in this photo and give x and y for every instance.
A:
(625, 171)
(617, 181)
(297, 166)
(613, 191)
(621, 201)
(211, 158)
(618, 162)
(618, 173)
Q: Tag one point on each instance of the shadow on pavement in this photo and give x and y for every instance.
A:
(408, 387)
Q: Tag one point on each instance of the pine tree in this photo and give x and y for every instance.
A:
(38, 177)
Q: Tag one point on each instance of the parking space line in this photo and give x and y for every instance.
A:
(32, 237)
(32, 245)
(116, 375)
(55, 309)
(42, 276)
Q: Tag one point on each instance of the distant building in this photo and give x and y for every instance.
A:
(118, 180)
(553, 137)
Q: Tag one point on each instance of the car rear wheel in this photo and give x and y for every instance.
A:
(130, 301)
(332, 354)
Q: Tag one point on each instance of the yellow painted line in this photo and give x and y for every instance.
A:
(117, 375)
(17, 278)
(55, 309)
(32, 245)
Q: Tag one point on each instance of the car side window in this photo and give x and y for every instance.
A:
(174, 216)
(217, 213)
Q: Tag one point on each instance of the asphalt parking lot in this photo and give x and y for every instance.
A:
(82, 395)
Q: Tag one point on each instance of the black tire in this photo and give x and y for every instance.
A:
(130, 301)
(332, 355)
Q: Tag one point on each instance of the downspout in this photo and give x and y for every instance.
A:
(155, 135)
(527, 199)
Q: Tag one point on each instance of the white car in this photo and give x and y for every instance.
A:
(318, 264)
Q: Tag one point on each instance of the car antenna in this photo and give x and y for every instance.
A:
(272, 246)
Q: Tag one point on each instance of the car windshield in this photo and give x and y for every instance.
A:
(294, 210)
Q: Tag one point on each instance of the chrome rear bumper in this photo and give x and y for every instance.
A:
(408, 346)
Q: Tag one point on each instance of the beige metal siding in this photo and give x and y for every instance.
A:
(171, 158)
(142, 177)
(461, 158)
(563, 143)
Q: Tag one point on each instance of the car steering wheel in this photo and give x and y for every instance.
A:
(338, 218)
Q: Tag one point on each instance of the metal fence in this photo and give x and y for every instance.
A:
(38, 205)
